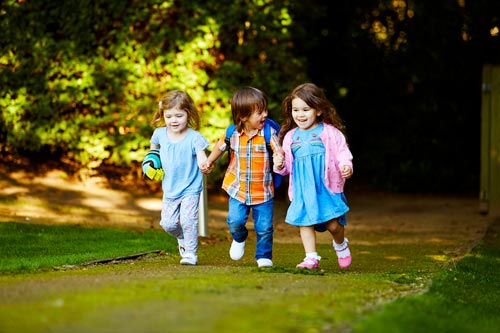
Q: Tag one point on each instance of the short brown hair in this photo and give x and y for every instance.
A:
(245, 102)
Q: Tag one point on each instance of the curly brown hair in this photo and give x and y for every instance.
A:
(315, 97)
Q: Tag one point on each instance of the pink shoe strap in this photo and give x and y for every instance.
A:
(344, 253)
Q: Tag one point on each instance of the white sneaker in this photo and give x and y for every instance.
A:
(264, 262)
(189, 259)
(237, 250)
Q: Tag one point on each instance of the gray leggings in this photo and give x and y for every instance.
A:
(179, 218)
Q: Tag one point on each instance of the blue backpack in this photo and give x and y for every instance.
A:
(277, 178)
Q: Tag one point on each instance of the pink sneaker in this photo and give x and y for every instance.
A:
(344, 256)
(309, 263)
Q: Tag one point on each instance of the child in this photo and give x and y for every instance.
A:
(316, 156)
(182, 151)
(248, 179)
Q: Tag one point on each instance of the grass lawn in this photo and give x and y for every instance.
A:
(220, 295)
(465, 297)
(31, 247)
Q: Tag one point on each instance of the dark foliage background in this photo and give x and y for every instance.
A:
(79, 80)
(411, 75)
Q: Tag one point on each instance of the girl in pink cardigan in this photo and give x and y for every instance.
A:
(317, 158)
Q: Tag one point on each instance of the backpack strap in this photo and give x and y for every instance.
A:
(267, 133)
(267, 137)
(267, 129)
(277, 178)
(227, 141)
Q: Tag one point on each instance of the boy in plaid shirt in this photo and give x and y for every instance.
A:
(248, 179)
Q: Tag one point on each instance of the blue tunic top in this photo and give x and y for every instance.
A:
(179, 162)
(313, 203)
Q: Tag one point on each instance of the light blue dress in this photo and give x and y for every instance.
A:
(313, 203)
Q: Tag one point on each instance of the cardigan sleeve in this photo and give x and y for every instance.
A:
(344, 155)
(337, 155)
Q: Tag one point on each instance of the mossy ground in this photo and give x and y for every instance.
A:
(399, 242)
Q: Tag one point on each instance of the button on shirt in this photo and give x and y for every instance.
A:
(248, 178)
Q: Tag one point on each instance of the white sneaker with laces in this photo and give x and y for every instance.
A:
(264, 262)
(237, 250)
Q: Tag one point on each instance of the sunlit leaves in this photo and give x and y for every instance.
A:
(84, 78)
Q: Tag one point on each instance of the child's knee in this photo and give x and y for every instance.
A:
(335, 227)
(168, 226)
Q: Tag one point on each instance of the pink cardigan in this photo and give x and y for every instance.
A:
(337, 155)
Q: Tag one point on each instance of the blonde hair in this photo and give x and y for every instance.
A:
(176, 99)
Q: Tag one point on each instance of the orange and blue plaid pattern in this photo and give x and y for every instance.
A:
(248, 177)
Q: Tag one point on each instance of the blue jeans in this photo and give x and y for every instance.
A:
(263, 224)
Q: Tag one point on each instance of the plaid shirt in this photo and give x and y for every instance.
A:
(248, 177)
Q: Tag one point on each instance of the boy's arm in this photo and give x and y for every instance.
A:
(219, 149)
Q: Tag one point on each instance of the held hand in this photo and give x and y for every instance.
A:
(206, 167)
(346, 172)
(279, 160)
